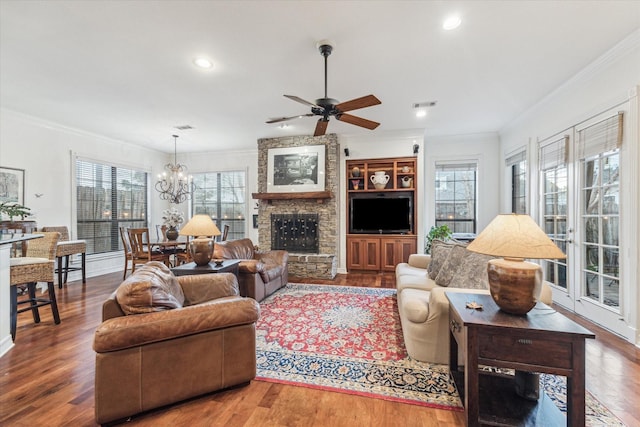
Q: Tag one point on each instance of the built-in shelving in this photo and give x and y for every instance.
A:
(380, 252)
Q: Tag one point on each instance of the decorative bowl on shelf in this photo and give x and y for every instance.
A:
(218, 261)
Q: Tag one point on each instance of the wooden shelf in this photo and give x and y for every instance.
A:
(320, 196)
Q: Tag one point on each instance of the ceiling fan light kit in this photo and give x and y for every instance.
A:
(328, 107)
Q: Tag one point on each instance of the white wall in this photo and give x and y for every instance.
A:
(611, 80)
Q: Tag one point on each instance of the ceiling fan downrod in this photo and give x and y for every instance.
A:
(325, 50)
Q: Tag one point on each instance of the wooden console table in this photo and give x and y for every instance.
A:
(541, 341)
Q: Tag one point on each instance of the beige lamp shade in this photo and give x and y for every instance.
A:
(514, 284)
(515, 236)
(200, 225)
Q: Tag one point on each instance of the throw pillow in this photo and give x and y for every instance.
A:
(472, 273)
(454, 261)
(151, 288)
(439, 252)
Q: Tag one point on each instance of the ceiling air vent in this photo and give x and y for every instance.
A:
(184, 127)
(425, 104)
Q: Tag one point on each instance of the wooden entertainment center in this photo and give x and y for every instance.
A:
(380, 240)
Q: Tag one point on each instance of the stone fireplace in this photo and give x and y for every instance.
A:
(280, 219)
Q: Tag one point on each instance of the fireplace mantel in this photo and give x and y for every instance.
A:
(320, 196)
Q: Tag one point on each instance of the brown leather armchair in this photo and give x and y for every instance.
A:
(164, 339)
(260, 273)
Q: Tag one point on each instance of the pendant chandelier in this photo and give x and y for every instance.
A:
(173, 184)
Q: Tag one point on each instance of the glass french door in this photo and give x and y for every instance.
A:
(580, 188)
(556, 194)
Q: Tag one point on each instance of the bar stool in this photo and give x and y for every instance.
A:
(65, 249)
(36, 266)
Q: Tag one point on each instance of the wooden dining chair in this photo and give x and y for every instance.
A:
(37, 266)
(225, 232)
(126, 246)
(142, 250)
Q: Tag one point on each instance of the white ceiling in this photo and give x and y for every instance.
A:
(123, 69)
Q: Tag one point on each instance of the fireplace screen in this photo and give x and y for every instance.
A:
(295, 232)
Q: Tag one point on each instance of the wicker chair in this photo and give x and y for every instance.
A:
(65, 249)
(37, 266)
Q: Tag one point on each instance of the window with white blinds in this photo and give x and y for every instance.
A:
(108, 197)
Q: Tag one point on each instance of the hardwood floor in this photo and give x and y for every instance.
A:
(47, 378)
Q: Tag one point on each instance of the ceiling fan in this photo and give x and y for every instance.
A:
(327, 107)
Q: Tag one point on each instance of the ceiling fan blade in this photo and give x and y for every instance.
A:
(354, 104)
(321, 127)
(282, 119)
(301, 101)
(358, 121)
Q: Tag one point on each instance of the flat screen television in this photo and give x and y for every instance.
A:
(381, 213)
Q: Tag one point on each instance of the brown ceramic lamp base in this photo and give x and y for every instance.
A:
(201, 250)
(514, 284)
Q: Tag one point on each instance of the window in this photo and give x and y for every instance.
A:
(456, 196)
(108, 197)
(222, 196)
(518, 171)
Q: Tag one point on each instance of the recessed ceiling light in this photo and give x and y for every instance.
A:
(203, 62)
(451, 22)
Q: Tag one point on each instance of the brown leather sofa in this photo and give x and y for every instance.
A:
(164, 339)
(260, 273)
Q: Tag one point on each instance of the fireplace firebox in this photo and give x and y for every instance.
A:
(296, 233)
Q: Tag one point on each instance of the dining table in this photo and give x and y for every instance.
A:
(171, 246)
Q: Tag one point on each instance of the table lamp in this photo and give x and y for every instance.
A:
(515, 284)
(203, 229)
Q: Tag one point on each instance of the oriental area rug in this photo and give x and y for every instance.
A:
(349, 340)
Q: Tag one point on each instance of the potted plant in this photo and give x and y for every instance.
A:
(12, 210)
(442, 232)
(172, 218)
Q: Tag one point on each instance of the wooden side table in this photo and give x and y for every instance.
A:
(541, 341)
(228, 266)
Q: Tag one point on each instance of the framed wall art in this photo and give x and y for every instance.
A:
(11, 185)
(296, 169)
